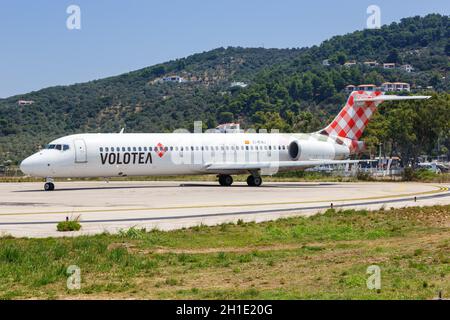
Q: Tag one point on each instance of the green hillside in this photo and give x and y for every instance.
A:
(288, 89)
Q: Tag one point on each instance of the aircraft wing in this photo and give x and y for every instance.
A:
(233, 166)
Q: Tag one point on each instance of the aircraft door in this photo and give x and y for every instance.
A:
(80, 151)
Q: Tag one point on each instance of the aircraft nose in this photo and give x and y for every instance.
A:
(25, 165)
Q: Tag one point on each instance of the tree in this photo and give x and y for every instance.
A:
(394, 57)
(226, 117)
(339, 58)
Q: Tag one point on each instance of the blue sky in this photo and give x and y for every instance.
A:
(37, 50)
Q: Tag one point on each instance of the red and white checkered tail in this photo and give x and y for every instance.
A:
(354, 117)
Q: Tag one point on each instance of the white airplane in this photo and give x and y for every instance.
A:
(140, 154)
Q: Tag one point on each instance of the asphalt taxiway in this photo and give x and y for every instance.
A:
(28, 211)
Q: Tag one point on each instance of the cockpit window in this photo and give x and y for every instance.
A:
(62, 147)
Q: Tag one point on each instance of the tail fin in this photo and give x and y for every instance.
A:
(354, 117)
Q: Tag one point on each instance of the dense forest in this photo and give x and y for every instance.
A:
(288, 89)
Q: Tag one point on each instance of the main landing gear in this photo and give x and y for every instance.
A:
(49, 185)
(225, 180)
(254, 181)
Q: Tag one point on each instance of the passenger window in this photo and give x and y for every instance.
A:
(112, 149)
(101, 149)
(123, 149)
(129, 148)
(150, 148)
(145, 148)
(106, 149)
(246, 147)
(165, 148)
(139, 149)
(134, 148)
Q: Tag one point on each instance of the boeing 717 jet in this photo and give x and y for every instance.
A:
(223, 154)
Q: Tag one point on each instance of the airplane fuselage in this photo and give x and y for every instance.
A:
(140, 154)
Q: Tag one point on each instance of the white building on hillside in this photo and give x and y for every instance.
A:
(367, 87)
(177, 79)
(229, 128)
(238, 84)
(371, 63)
(395, 87)
(350, 88)
(389, 65)
(407, 67)
(25, 102)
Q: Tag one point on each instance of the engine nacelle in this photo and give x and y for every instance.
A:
(306, 150)
(294, 150)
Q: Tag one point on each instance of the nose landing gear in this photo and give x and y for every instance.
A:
(49, 185)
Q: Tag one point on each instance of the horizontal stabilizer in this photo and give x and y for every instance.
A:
(389, 98)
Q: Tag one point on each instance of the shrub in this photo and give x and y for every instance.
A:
(133, 233)
(363, 176)
(408, 174)
(69, 225)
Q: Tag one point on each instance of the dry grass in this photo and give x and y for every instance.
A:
(325, 256)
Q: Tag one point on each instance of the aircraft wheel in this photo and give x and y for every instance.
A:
(225, 180)
(254, 181)
(48, 186)
(257, 181)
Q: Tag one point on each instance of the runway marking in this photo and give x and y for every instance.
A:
(439, 190)
(228, 213)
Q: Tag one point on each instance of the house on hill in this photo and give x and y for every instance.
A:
(389, 65)
(371, 63)
(395, 86)
(25, 102)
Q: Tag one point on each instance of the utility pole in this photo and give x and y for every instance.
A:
(379, 156)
